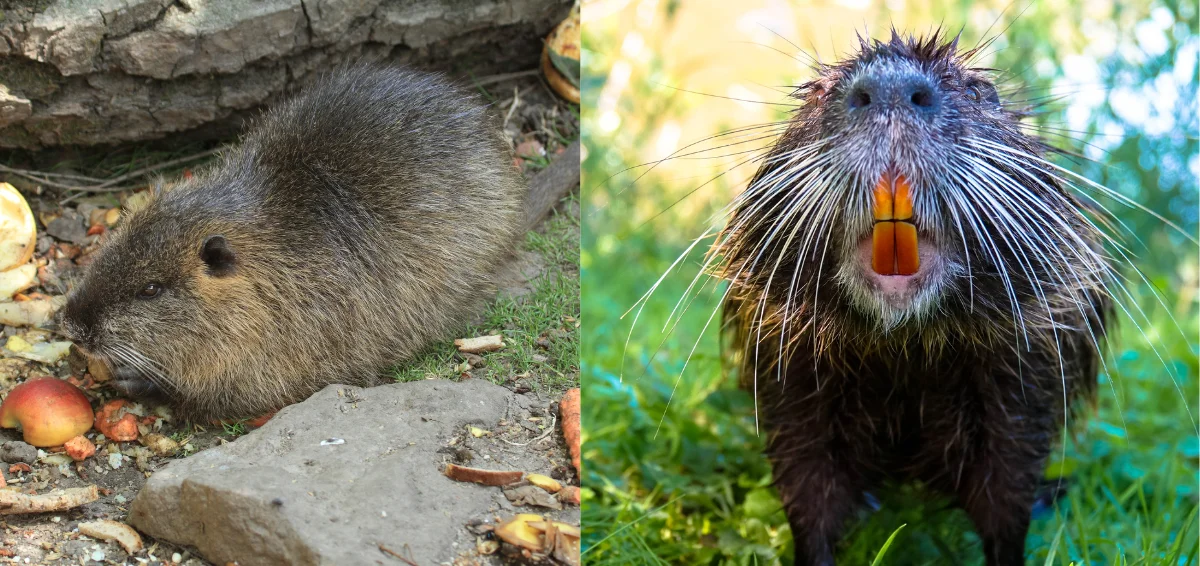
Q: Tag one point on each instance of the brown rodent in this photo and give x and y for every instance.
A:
(945, 344)
(351, 226)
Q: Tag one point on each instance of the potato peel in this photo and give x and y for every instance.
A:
(545, 482)
(538, 539)
(479, 344)
(104, 529)
(495, 478)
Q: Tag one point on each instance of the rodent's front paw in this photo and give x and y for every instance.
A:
(131, 382)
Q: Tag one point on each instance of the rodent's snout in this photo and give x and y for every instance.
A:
(888, 89)
(78, 320)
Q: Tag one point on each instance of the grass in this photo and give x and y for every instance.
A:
(540, 329)
(675, 472)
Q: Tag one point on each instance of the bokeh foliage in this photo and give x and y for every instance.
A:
(674, 470)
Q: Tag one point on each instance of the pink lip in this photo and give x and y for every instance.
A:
(896, 288)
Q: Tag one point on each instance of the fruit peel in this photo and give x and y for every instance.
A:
(116, 422)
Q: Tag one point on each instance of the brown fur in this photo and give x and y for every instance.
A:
(958, 392)
(365, 218)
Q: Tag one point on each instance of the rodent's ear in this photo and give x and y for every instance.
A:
(219, 256)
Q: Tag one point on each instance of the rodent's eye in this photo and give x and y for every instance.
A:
(150, 291)
(973, 94)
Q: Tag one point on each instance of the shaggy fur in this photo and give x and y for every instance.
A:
(352, 225)
(966, 385)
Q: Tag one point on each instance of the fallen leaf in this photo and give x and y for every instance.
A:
(531, 495)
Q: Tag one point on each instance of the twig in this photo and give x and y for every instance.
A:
(15, 502)
(108, 186)
(406, 560)
(27, 173)
(505, 76)
(549, 430)
(105, 186)
(33, 176)
(513, 108)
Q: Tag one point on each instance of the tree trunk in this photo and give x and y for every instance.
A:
(106, 71)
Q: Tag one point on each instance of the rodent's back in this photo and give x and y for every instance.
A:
(366, 217)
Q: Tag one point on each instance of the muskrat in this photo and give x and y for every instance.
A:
(350, 226)
(914, 295)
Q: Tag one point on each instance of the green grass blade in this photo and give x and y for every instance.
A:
(600, 542)
(1054, 545)
(883, 550)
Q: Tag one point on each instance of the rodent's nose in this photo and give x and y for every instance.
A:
(77, 318)
(888, 89)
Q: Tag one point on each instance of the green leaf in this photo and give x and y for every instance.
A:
(761, 503)
(566, 66)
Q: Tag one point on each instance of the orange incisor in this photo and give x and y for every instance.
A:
(894, 250)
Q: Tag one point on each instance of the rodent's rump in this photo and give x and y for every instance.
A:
(351, 226)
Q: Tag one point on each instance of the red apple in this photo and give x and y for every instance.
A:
(49, 411)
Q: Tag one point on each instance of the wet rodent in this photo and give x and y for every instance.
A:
(351, 226)
(959, 374)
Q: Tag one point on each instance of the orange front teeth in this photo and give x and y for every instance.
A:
(894, 240)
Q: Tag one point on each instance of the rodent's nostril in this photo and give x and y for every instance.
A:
(922, 97)
(881, 90)
(859, 97)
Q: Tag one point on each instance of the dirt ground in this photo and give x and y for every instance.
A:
(71, 226)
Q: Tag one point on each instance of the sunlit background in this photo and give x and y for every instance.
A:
(675, 471)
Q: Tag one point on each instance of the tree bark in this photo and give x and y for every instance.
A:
(78, 73)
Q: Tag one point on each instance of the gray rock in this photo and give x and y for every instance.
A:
(89, 72)
(278, 496)
(13, 108)
(15, 451)
(68, 228)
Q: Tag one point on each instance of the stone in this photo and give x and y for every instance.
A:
(277, 496)
(15, 451)
(105, 71)
(13, 108)
(68, 228)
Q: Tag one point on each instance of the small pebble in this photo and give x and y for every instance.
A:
(177, 558)
(114, 460)
(98, 556)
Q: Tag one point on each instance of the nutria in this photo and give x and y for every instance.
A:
(914, 295)
(350, 226)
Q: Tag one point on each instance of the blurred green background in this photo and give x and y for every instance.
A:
(674, 469)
